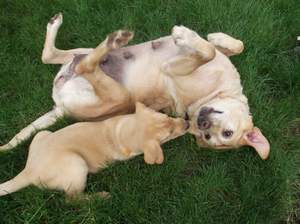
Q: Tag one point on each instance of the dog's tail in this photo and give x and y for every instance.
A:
(42, 122)
(15, 184)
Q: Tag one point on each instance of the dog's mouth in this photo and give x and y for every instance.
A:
(203, 121)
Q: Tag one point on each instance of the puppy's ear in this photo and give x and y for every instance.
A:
(258, 141)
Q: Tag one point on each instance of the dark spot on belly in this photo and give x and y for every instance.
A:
(77, 58)
(128, 55)
(112, 65)
(156, 44)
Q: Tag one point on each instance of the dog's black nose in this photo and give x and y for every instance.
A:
(203, 118)
(203, 123)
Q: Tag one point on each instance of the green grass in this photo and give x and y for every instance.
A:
(193, 185)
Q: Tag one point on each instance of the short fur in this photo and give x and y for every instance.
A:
(62, 160)
(179, 73)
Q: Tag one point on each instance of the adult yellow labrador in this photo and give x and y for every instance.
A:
(182, 73)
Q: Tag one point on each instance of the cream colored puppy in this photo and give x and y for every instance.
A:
(62, 160)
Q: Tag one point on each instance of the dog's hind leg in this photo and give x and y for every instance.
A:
(43, 122)
(226, 44)
(114, 98)
(52, 55)
(194, 52)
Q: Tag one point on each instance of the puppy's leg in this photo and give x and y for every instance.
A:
(52, 55)
(65, 171)
(226, 44)
(114, 97)
(195, 51)
(153, 153)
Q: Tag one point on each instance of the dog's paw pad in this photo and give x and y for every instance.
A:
(183, 36)
(56, 20)
(119, 38)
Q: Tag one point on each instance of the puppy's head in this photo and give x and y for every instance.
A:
(225, 123)
(158, 126)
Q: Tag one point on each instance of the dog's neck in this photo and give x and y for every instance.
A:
(128, 135)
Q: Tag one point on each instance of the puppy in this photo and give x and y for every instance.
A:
(62, 160)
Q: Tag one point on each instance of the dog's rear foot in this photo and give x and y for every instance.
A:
(119, 38)
(55, 21)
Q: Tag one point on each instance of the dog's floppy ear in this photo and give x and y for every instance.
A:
(258, 141)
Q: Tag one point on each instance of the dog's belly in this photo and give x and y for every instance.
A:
(137, 68)
(141, 72)
(129, 64)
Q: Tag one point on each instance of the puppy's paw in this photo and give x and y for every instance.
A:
(159, 158)
(55, 22)
(184, 37)
(149, 159)
(119, 38)
(153, 157)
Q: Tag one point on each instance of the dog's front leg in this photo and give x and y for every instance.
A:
(153, 153)
(194, 52)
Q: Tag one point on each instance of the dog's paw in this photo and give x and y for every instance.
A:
(184, 37)
(55, 21)
(153, 157)
(119, 38)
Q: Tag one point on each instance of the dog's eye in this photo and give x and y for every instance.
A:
(227, 133)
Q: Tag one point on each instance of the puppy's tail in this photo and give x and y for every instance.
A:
(15, 184)
(42, 122)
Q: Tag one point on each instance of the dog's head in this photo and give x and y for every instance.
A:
(226, 123)
(155, 128)
(159, 126)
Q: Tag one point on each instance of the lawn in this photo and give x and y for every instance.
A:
(193, 185)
